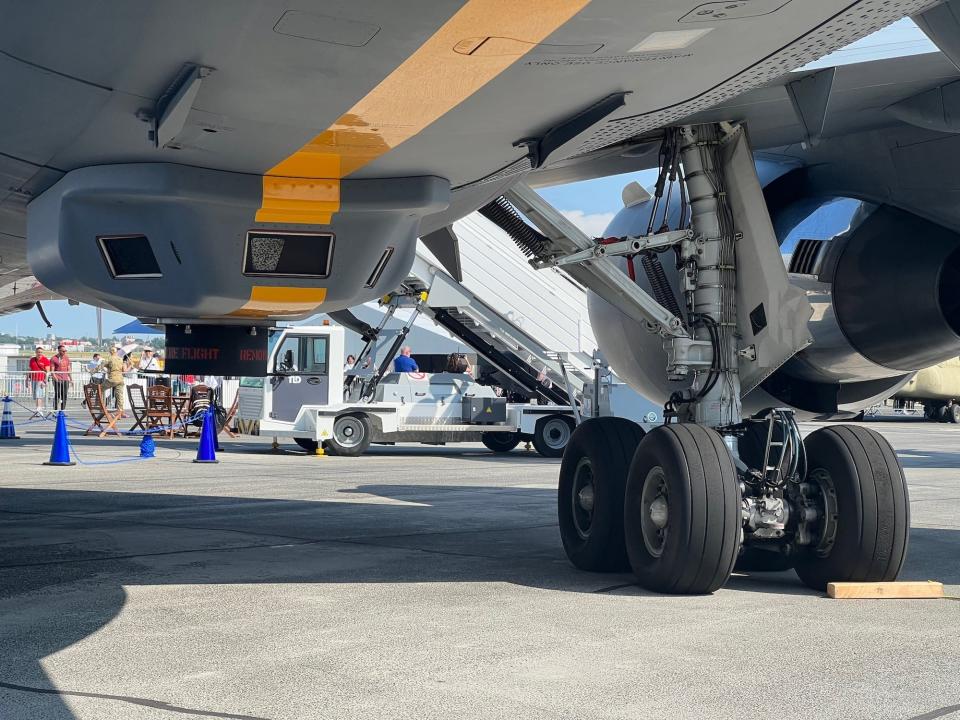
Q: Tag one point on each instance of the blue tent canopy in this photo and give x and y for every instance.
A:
(135, 327)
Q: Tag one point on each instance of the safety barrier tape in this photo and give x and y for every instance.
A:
(52, 418)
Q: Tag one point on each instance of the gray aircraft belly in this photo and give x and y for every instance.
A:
(273, 82)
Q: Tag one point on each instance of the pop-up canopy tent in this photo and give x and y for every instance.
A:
(135, 327)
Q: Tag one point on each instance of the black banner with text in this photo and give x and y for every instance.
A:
(216, 350)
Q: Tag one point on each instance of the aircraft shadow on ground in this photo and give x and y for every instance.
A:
(66, 556)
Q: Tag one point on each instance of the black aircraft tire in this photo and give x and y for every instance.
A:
(351, 436)
(872, 507)
(682, 511)
(307, 444)
(500, 442)
(597, 457)
(753, 560)
(552, 434)
(953, 413)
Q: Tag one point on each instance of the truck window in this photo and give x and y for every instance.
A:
(287, 359)
(301, 355)
(315, 355)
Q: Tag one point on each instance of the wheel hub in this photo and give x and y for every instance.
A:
(654, 511)
(348, 432)
(829, 514)
(659, 511)
(556, 433)
(583, 497)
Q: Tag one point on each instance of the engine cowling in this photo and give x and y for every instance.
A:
(886, 301)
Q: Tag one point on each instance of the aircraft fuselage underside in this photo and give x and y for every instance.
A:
(191, 133)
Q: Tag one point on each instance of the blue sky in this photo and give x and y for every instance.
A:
(68, 321)
(590, 205)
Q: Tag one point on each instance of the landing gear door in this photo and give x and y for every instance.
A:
(772, 314)
(299, 375)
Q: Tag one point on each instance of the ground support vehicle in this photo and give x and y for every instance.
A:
(302, 398)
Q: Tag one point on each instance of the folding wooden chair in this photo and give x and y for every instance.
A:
(138, 406)
(231, 413)
(200, 398)
(160, 408)
(93, 393)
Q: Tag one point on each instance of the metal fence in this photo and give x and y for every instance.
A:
(18, 385)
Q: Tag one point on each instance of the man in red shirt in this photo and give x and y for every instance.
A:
(39, 367)
(61, 378)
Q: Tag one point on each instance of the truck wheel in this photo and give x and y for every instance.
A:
(593, 476)
(551, 435)
(351, 436)
(500, 442)
(866, 518)
(682, 511)
(307, 444)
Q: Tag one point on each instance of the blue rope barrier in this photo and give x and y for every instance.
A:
(159, 429)
(128, 433)
(73, 451)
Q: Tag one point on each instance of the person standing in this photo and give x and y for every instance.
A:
(39, 368)
(113, 368)
(149, 364)
(61, 378)
(403, 362)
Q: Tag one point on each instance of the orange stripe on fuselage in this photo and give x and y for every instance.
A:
(441, 74)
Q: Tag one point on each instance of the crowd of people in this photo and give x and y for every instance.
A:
(113, 373)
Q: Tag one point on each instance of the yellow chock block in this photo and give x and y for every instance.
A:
(885, 590)
(319, 452)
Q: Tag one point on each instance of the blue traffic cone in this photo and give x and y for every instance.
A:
(60, 452)
(207, 453)
(7, 431)
(148, 448)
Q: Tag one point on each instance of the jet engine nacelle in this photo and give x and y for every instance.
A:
(886, 302)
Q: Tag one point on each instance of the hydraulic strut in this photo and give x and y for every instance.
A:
(710, 277)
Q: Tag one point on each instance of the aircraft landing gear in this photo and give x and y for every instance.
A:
(688, 501)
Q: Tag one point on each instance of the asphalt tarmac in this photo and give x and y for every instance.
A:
(421, 582)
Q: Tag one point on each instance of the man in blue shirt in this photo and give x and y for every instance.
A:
(403, 362)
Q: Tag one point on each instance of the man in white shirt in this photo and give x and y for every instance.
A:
(148, 364)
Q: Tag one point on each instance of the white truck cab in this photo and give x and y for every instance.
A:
(302, 397)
